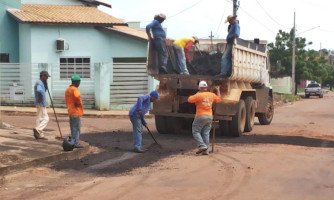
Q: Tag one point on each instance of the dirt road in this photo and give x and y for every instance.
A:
(293, 158)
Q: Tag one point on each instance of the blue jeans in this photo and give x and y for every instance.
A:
(201, 130)
(160, 47)
(226, 62)
(181, 60)
(75, 124)
(137, 127)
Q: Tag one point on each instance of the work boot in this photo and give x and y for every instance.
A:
(140, 150)
(206, 152)
(201, 149)
(78, 146)
(36, 133)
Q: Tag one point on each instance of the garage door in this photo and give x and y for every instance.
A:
(130, 80)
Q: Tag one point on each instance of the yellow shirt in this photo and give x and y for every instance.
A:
(182, 42)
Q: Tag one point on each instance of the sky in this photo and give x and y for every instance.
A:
(258, 18)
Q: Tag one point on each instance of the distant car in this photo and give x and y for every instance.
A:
(313, 89)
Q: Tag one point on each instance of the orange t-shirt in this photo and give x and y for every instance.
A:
(203, 102)
(73, 101)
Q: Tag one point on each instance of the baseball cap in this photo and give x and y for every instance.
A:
(44, 73)
(155, 94)
(75, 77)
(202, 84)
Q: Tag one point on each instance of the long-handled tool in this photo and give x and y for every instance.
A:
(213, 135)
(54, 111)
(148, 130)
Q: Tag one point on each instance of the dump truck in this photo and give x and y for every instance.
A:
(245, 94)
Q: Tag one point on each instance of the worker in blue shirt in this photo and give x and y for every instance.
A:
(42, 117)
(233, 32)
(158, 40)
(137, 118)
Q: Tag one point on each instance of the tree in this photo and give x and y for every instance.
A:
(310, 64)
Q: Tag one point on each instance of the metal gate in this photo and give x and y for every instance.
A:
(129, 81)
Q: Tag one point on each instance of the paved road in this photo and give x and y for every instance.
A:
(292, 158)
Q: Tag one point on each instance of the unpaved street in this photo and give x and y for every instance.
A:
(292, 158)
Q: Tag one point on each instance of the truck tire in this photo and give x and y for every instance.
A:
(178, 125)
(224, 127)
(239, 120)
(267, 117)
(250, 113)
(160, 124)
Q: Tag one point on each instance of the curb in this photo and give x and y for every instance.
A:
(86, 115)
(46, 160)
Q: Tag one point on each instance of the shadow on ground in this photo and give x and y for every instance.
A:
(279, 139)
(113, 145)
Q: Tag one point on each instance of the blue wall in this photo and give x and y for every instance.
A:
(9, 38)
(80, 40)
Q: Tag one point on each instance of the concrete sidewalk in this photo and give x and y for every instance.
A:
(19, 150)
(63, 111)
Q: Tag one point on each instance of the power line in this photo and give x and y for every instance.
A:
(185, 9)
(270, 15)
(258, 21)
(221, 20)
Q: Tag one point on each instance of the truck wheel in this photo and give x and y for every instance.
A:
(224, 127)
(178, 125)
(250, 114)
(160, 124)
(239, 120)
(267, 117)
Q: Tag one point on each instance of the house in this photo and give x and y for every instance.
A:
(66, 37)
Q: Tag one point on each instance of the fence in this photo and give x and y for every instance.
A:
(17, 84)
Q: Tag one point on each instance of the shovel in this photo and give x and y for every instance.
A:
(148, 130)
(54, 111)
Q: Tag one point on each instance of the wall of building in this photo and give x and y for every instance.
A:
(9, 38)
(281, 85)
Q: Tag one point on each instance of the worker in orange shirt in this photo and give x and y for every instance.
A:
(75, 109)
(201, 126)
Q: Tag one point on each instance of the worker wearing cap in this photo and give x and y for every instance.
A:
(75, 109)
(42, 118)
(158, 40)
(137, 118)
(233, 33)
(201, 126)
(182, 49)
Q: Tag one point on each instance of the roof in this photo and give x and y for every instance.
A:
(61, 14)
(97, 2)
(125, 30)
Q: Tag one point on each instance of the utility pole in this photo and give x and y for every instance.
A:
(294, 53)
(211, 36)
(236, 5)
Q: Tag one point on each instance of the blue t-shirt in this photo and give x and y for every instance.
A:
(157, 30)
(233, 33)
(143, 103)
(40, 95)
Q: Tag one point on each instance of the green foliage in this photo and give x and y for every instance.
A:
(310, 64)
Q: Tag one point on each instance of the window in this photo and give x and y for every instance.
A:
(4, 58)
(70, 66)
